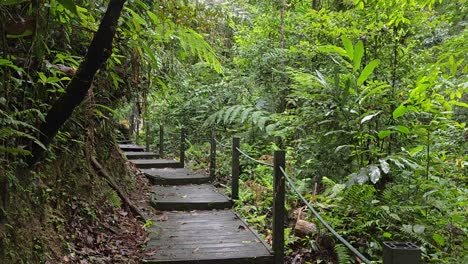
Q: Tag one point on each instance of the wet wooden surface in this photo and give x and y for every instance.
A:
(185, 234)
(156, 163)
(131, 147)
(141, 155)
(189, 197)
(217, 236)
(175, 176)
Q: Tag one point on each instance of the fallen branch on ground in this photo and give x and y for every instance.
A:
(113, 185)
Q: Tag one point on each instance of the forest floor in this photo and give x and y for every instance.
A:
(114, 235)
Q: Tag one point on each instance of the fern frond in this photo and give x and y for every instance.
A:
(342, 254)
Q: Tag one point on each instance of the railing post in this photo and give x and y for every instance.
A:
(183, 133)
(161, 140)
(235, 168)
(147, 136)
(213, 155)
(137, 139)
(278, 206)
(401, 253)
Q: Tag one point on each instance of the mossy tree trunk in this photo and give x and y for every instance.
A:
(99, 51)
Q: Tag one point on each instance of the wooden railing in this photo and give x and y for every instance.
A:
(393, 252)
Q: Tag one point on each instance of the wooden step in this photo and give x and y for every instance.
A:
(131, 148)
(188, 197)
(156, 163)
(206, 237)
(171, 176)
(124, 141)
(141, 155)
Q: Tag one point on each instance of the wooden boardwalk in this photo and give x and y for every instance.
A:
(198, 225)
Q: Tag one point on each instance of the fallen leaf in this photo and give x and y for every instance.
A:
(163, 218)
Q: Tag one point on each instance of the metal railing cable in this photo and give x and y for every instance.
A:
(221, 144)
(346, 243)
(250, 158)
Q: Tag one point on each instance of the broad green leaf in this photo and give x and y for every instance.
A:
(368, 70)
(438, 239)
(358, 54)
(415, 150)
(403, 129)
(42, 77)
(348, 47)
(333, 49)
(384, 133)
(399, 111)
(70, 5)
(53, 79)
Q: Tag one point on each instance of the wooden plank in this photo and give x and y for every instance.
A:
(131, 147)
(208, 237)
(188, 197)
(141, 155)
(174, 176)
(156, 163)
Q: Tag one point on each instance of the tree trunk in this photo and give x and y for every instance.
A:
(99, 51)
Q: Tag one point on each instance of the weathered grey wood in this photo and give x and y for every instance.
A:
(156, 163)
(177, 176)
(131, 147)
(278, 206)
(141, 155)
(235, 170)
(188, 197)
(208, 237)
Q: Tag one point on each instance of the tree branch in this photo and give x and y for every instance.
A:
(99, 51)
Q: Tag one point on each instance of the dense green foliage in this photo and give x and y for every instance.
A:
(368, 97)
